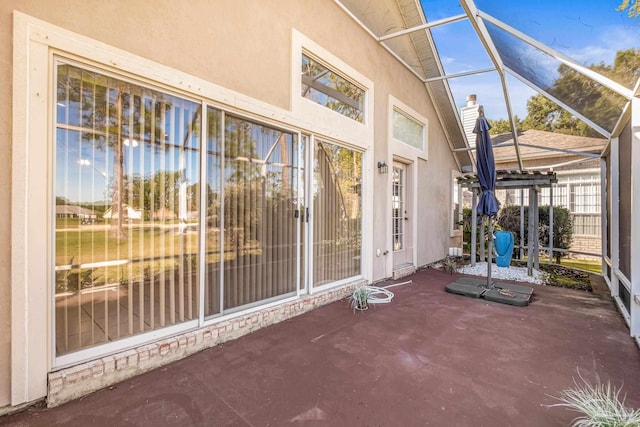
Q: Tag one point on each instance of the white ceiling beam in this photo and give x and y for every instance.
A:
(423, 27)
(597, 77)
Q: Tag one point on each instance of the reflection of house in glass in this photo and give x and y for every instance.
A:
(578, 187)
(129, 213)
(164, 214)
(71, 211)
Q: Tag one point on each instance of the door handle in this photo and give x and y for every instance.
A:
(406, 218)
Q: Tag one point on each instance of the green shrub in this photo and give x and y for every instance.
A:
(509, 220)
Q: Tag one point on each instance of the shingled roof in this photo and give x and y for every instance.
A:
(544, 139)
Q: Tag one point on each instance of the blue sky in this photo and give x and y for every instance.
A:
(590, 32)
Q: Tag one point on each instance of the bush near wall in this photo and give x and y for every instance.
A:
(509, 220)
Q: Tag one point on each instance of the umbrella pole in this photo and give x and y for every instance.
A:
(490, 253)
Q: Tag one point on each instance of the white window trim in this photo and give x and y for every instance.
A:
(455, 230)
(34, 44)
(410, 156)
(351, 131)
(401, 148)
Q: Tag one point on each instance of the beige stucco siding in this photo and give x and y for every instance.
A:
(244, 47)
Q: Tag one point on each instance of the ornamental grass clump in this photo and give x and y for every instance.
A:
(360, 298)
(600, 404)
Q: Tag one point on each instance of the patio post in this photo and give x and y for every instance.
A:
(474, 226)
(521, 224)
(551, 224)
(530, 233)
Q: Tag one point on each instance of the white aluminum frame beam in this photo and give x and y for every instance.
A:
(423, 27)
(481, 30)
(462, 74)
(562, 150)
(540, 147)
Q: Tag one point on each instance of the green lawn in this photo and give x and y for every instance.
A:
(593, 266)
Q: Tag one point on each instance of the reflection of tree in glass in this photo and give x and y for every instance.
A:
(331, 90)
(342, 185)
(144, 193)
(113, 113)
(591, 99)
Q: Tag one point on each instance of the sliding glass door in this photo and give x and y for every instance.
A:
(260, 217)
(160, 200)
(337, 213)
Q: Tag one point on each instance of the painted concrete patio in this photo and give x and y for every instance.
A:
(428, 358)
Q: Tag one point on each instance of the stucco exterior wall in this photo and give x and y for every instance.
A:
(244, 47)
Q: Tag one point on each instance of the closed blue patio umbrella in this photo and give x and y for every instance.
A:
(488, 205)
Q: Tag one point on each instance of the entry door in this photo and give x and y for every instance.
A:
(400, 220)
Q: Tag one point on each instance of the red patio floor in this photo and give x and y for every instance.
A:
(428, 358)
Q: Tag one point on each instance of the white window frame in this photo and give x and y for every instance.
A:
(351, 131)
(401, 148)
(398, 112)
(455, 230)
(32, 232)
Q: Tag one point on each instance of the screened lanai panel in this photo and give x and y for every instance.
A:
(126, 171)
(609, 207)
(587, 97)
(590, 34)
(460, 48)
(624, 197)
(260, 204)
(337, 213)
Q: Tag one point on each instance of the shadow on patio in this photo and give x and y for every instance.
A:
(428, 358)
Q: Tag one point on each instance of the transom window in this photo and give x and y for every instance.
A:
(408, 130)
(328, 88)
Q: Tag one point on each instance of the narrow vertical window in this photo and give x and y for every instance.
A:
(337, 213)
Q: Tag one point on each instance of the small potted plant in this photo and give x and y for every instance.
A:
(359, 298)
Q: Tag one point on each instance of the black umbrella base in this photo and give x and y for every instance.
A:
(504, 293)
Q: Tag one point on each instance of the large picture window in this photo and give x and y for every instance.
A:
(127, 202)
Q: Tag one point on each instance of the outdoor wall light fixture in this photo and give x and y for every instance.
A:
(382, 167)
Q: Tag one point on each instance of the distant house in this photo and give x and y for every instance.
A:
(72, 211)
(164, 214)
(578, 187)
(130, 213)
